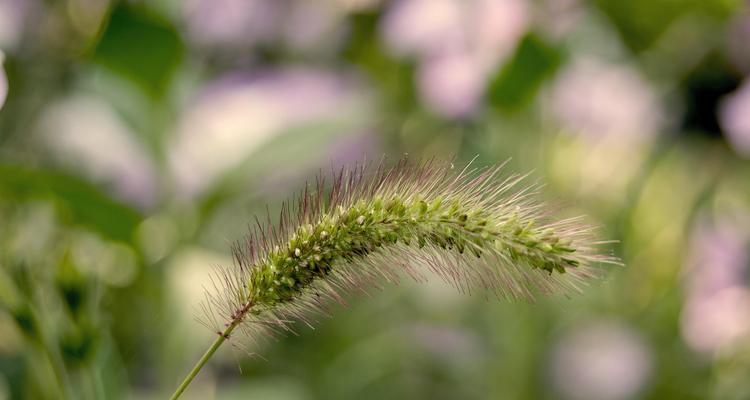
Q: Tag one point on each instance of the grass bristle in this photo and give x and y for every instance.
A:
(472, 227)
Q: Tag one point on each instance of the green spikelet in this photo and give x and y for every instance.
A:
(471, 227)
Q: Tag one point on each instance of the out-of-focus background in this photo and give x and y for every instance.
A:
(138, 138)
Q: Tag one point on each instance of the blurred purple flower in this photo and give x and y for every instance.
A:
(313, 26)
(232, 23)
(242, 24)
(237, 114)
(451, 85)
(458, 44)
(496, 27)
(3, 82)
(597, 100)
(86, 134)
(718, 260)
(558, 17)
(710, 323)
(13, 15)
(734, 115)
(424, 27)
(737, 37)
(601, 361)
(717, 305)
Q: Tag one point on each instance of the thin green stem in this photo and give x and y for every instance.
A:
(206, 356)
(50, 349)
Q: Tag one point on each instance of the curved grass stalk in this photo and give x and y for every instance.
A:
(472, 228)
(204, 359)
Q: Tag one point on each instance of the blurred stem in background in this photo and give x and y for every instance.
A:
(152, 131)
(35, 328)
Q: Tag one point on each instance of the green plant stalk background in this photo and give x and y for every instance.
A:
(107, 229)
(428, 208)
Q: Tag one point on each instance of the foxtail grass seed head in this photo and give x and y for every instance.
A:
(471, 227)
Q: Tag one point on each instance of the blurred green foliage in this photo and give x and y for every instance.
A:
(138, 139)
(518, 82)
(77, 200)
(141, 46)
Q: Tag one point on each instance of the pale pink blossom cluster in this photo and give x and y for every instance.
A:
(734, 110)
(232, 25)
(601, 360)
(598, 99)
(13, 15)
(457, 44)
(236, 114)
(3, 83)
(231, 22)
(717, 304)
(734, 115)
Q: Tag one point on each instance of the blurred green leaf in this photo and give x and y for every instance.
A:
(141, 47)
(394, 78)
(78, 201)
(641, 22)
(71, 284)
(517, 83)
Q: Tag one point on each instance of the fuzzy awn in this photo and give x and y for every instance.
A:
(470, 227)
